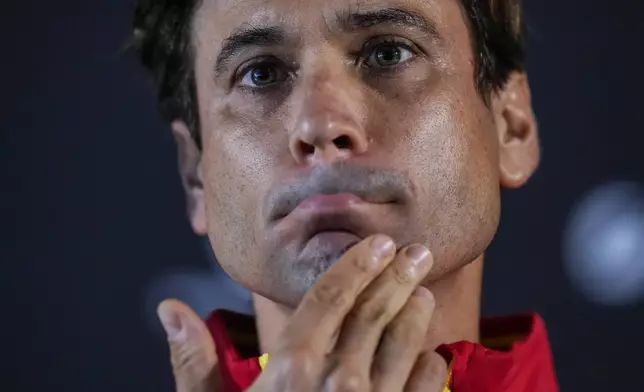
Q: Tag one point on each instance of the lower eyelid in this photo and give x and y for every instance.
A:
(277, 88)
(392, 71)
(244, 74)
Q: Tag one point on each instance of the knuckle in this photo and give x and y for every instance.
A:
(331, 295)
(404, 274)
(365, 263)
(191, 361)
(408, 333)
(435, 366)
(373, 313)
(295, 361)
(347, 381)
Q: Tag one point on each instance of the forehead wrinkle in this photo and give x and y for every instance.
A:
(301, 20)
(242, 16)
(291, 15)
(227, 16)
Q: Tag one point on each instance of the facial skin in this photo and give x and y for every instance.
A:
(374, 98)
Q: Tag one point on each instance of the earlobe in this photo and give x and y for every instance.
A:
(517, 132)
(189, 157)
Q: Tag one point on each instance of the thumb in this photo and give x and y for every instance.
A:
(192, 349)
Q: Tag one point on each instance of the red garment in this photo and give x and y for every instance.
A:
(516, 358)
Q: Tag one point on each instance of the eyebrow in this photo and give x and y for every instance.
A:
(348, 21)
(246, 36)
(352, 21)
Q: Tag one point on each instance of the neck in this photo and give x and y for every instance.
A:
(455, 318)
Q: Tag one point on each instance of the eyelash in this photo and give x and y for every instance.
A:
(373, 44)
(256, 63)
(361, 56)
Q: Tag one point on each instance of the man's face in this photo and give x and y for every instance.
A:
(326, 121)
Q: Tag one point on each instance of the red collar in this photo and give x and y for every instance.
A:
(514, 356)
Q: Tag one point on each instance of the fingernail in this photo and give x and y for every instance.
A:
(171, 322)
(381, 244)
(417, 253)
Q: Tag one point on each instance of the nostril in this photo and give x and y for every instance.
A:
(343, 142)
(307, 149)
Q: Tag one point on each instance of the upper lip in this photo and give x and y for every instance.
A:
(372, 185)
(288, 207)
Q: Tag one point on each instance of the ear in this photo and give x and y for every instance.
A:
(191, 175)
(517, 132)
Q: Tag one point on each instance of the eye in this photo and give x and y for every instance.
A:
(388, 54)
(262, 74)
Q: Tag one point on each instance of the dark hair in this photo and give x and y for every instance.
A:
(162, 38)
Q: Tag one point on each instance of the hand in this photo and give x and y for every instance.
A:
(371, 303)
(192, 349)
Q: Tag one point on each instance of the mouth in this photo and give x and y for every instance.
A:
(339, 187)
(329, 203)
(321, 228)
(313, 218)
(332, 220)
(320, 205)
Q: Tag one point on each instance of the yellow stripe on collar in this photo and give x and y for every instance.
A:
(448, 382)
(263, 360)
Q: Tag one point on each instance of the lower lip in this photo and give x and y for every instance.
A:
(332, 240)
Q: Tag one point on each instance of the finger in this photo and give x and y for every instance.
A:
(325, 305)
(402, 342)
(379, 303)
(192, 349)
(429, 374)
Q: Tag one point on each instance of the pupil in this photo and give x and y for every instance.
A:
(388, 56)
(262, 75)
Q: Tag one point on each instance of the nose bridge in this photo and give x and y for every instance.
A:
(328, 114)
(328, 93)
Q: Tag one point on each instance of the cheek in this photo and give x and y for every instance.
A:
(448, 144)
(237, 164)
(450, 151)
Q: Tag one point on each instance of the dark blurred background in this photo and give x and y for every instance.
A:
(94, 232)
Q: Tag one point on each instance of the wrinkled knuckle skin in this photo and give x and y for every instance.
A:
(294, 366)
(373, 314)
(365, 263)
(330, 295)
(190, 361)
(404, 275)
(300, 359)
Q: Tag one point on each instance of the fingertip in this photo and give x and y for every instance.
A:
(424, 295)
(418, 254)
(165, 306)
(382, 244)
(422, 292)
(176, 316)
(170, 319)
(172, 304)
(430, 258)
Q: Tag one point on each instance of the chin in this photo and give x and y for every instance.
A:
(291, 271)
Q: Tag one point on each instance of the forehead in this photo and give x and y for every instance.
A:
(216, 20)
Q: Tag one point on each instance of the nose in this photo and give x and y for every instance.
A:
(328, 124)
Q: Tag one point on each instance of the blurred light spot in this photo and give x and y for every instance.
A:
(604, 244)
(203, 291)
